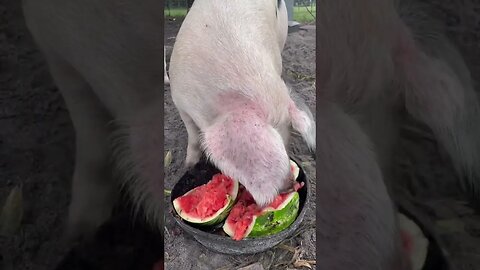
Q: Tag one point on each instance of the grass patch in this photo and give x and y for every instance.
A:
(175, 12)
(300, 14)
(300, 77)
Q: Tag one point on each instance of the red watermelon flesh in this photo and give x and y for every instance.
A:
(242, 213)
(278, 201)
(206, 200)
(245, 209)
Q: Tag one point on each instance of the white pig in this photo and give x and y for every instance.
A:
(356, 218)
(225, 77)
(105, 57)
(375, 58)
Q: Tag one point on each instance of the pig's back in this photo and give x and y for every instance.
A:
(226, 46)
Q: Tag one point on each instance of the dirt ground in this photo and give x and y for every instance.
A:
(182, 251)
(36, 151)
(36, 146)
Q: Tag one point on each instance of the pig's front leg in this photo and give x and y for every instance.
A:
(193, 148)
(282, 24)
(93, 189)
(355, 216)
(137, 146)
(165, 76)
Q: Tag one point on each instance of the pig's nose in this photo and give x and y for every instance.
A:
(292, 185)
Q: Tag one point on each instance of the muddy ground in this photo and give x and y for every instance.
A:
(36, 151)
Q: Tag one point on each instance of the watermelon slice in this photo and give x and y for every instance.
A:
(246, 219)
(208, 204)
(415, 242)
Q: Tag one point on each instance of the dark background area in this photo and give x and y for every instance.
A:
(37, 139)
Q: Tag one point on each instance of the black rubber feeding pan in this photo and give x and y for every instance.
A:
(213, 237)
(437, 257)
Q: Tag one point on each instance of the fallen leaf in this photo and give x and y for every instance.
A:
(12, 212)
(168, 159)
(287, 247)
(296, 256)
(304, 263)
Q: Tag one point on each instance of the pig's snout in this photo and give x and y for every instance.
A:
(265, 194)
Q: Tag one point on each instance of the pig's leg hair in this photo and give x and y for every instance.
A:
(303, 121)
(139, 158)
(356, 219)
(93, 188)
(193, 148)
(243, 146)
(438, 91)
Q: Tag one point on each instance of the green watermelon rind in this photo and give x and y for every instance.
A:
(271, 221)
(216, 218)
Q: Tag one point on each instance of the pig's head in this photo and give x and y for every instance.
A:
(244, 145)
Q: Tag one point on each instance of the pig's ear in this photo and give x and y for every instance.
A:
(303, 123)
(243, 146)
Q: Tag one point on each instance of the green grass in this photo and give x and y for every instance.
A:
(300, 14)
(175, 12)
